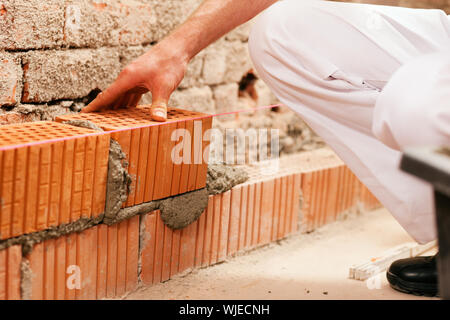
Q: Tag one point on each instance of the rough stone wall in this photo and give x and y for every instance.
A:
(56, 54)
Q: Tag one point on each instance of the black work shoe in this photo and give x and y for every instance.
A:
(416, 276)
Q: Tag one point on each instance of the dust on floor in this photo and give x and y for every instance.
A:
(309, 266)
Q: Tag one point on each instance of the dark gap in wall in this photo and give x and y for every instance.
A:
(247, 86)
(92, 95)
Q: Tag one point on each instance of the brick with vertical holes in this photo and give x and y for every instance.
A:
(48, 173)
(149, 146)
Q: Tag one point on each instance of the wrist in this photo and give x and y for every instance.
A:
(177, 48)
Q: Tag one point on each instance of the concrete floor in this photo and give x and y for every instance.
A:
(312, 266)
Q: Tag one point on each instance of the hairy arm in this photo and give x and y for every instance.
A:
(162, 68)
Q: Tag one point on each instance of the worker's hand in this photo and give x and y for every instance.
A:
(159, 71)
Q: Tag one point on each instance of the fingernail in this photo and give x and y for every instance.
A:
(160, 114)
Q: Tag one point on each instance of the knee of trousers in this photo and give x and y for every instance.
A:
(269, 38)
(413, 109)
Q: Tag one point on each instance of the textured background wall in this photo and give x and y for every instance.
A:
(56, 54)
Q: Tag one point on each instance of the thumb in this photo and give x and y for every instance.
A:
(160, 100)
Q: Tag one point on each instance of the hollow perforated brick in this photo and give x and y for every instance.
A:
(329, 189)
(148, 146)
(46, 183)
(97, 263)
(10, 278)
(233, 221)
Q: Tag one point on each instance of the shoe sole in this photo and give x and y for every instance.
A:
(417, 289)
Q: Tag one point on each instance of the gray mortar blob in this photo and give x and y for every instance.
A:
(83, 124)
(179, 212)
(222, 178)
(119, 180)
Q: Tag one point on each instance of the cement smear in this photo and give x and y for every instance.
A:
(119, 181)
(176, 212)
(179, 212)
(222, 178)
(83, 124)
(26, 275)
(29, 240)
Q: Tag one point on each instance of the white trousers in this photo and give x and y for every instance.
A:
(370, 80)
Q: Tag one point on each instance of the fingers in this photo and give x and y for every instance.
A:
(134, 100)
(121, 102)
(112, 95)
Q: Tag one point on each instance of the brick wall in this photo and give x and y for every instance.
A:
(59, 240)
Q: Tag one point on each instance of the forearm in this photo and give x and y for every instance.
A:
(212, 20)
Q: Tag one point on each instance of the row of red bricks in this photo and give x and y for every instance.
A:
(58, 182)
(106, 258)
(330, 193)
(250, 215)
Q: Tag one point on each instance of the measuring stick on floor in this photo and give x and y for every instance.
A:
(381, 263)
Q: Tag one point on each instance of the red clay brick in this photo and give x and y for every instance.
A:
(66, 196)
(250, 213)
(55, 183)
(256, 215)
(71, 262)
(185, 166)
(267, 211)
(175, 251)
(289, 205)
(142, 165)
(167, 254)
(187, 248)
(307, 186)
(243, 217)
(10, 278)
(102, 261)
(204, 152)
(224, 225)
(60, 268)
(148, 247)
(296, 204)
(207, 242)
(283, 208)
(151, 164)
(215, 236)
(88, 180)
(191, 185)
(164, 164)
(200, 240)
(159, 250)
(176, 177)
(7, 177)
(40, 185)
(235, 217)
(134, 162)
(105, 256)
(157, 178)
(135, 144)
(132, 253)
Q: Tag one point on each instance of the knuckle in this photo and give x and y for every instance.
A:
(128, 71)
